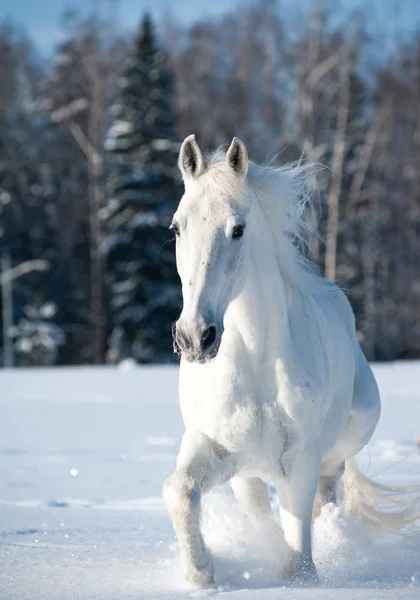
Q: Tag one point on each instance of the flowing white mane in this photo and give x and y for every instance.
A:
(287, 203)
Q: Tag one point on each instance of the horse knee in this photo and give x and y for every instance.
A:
(180, 494)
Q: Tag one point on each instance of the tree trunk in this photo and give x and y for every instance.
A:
(96, 302)
(7, 309)
(337, 170)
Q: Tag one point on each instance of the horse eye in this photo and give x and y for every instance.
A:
(238, 232)
(175, 228)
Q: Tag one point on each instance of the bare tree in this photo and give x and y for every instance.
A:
(78, 97)
(337, 165)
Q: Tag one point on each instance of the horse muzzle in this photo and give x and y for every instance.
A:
(198, 344)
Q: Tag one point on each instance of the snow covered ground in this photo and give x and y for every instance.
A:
(83, 454)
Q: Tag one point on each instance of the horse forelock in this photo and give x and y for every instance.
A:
(218, 179)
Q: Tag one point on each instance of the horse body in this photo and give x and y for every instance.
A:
(289, 379)
(287, 396)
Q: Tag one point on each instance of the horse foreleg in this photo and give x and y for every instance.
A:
(296, 490)
(200, 466)
(252, 495)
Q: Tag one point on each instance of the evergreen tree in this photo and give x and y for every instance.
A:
(143, 187)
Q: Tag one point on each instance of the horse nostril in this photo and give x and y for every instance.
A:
(208, 338)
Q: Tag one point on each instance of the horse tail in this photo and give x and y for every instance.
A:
(375, 505)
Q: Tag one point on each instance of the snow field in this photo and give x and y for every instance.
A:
(83, 454)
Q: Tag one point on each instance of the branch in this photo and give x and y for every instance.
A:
(84, 144)
(319, 152)
(365, 159)
(322, 68)
(26, 267)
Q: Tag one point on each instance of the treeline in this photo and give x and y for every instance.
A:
(88, 178)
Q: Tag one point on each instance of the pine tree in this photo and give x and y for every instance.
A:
(142, 190)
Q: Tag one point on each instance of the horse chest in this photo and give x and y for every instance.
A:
(241, 412)
(253, 431)
(221, 419)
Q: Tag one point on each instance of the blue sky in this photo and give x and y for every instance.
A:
(41, 18)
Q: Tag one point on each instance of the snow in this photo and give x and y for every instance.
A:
(120, 128)
(166, 145)
(148, 219)
(84, 452)
(65, 113)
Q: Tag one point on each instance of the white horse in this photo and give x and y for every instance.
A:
(273, 384)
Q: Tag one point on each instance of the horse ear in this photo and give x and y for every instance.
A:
(237, 157)
(190, 160)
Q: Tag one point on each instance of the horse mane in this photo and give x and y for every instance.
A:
(288, 205)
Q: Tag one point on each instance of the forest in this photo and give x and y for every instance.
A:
(89, 139)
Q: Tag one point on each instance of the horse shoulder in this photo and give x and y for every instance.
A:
(320, 357)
